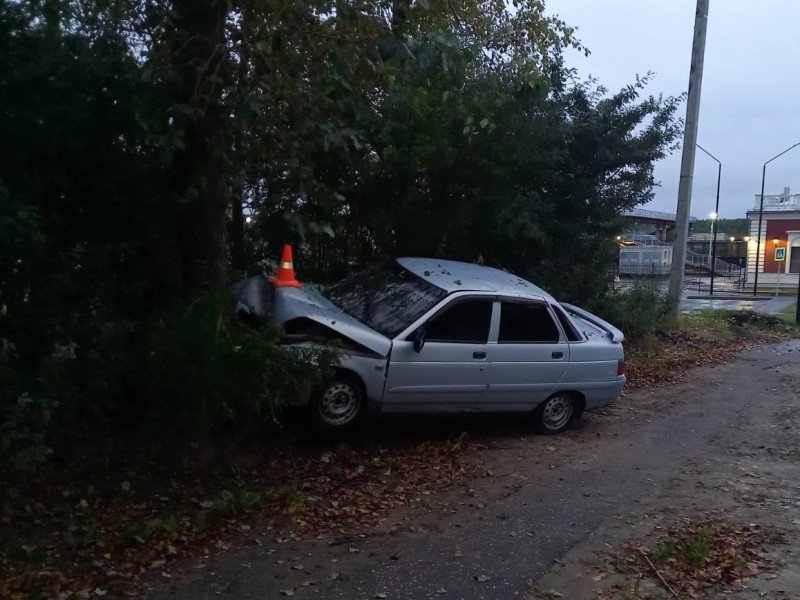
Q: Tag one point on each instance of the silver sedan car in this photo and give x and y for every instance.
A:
(425, 336)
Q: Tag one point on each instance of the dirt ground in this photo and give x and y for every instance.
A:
(550, 517)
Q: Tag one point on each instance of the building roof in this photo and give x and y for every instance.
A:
(784, 202)
(453, 276)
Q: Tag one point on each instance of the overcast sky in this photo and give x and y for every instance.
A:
(751, 85)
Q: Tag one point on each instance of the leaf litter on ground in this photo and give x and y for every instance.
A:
(693, 556)
(122, 526)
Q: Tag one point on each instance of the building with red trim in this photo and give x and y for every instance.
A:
(780, 228)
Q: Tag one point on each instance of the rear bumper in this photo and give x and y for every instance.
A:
(602, 395)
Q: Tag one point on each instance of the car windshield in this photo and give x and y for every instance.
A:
(387, 297)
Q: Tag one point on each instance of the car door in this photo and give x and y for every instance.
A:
(529, 358)
(450, 371)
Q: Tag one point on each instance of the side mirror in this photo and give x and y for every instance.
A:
(419, 339)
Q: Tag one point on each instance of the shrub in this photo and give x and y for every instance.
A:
(192, 372)
(25, 419)
(24, 428)
(200, 371)
(638, 311)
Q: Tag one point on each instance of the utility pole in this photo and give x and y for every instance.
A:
(687, 161)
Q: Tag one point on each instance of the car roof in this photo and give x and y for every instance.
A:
(454, 276)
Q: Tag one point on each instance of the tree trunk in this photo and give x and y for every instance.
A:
(199, 60)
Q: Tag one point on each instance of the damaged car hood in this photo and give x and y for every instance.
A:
(307, 302)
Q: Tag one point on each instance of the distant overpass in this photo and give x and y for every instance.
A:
(661, 221)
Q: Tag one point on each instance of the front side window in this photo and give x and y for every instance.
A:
(526, 324)
(465, 322)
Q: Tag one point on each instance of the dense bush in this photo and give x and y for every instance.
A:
(638, 311)
(192, 372)
(153, 151)
(201, 370)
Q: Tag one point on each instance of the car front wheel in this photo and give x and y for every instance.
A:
(339, 406)
(555, 414)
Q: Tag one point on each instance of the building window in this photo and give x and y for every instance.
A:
(794, 259)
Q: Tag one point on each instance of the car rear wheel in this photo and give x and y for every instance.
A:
(555, 414)
(339, 406)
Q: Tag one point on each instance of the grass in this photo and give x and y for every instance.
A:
(692, 550)
(727, 325)
(788, 314)
(700, 557)
(700, 338)
(712, 325)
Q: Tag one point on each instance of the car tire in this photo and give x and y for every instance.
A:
(339, 406)
(555, 414)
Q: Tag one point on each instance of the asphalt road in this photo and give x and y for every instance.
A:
(770, 306)
(539, 497)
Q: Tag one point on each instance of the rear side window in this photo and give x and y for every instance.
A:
(465, 322)
(526, 324)
(567, 326)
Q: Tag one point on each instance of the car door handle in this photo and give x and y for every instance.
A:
(479, 355)
(557, 355)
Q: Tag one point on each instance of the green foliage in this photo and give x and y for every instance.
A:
(729, 324)
(199, 371)
(136, 133)
(24, 427)
(638, 311)
(738, 228)
(692, 550)
(187, 373)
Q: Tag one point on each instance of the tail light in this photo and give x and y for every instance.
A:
(621, 367)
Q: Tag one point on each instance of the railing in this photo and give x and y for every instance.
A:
(774, 202)
(628, 242)
(643, 270)
(703, 261)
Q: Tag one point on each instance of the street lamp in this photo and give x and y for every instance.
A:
(778, 278)
(761, 212)
(743, 280)
(715, 213)
(712, 250)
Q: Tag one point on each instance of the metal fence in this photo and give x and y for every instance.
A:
(639, 270)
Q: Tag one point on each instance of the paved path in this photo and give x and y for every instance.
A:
(771, 306)
(538, 498)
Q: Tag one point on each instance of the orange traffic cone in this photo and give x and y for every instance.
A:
(285, 276)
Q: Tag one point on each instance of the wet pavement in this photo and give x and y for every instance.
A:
(727, 296)
(693, 302)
